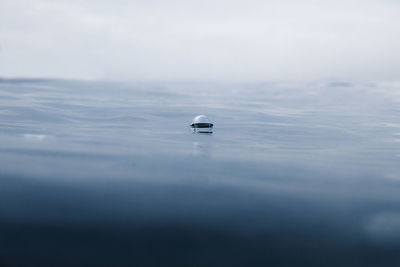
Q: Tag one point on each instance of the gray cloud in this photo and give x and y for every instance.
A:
(201, 40)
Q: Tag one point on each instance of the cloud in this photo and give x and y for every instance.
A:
(200, 40)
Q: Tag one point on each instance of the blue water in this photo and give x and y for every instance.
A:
(294, 174)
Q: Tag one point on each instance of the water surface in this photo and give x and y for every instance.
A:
(110, 173)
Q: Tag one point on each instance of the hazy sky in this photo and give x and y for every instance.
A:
(201, 40)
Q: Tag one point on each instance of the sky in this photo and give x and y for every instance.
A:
(208, 40)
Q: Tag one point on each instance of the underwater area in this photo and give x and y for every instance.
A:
(110, 173)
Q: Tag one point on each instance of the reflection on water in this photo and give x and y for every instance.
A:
(201, 149)
(206, 130)
(384, 227)
(110, 173)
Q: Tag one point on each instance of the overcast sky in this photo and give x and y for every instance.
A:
(201, 40)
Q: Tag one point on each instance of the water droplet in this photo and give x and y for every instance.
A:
(202, 124)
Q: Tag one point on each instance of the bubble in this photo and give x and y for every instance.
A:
(202, 124)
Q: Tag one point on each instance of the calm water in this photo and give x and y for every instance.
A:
(110, 173)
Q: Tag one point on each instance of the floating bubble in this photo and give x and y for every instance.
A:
(202, 124)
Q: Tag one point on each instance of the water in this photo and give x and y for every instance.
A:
(111, 173)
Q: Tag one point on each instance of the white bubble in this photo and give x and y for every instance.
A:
(202, 124)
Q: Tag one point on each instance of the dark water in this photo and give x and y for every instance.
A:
(111, 174)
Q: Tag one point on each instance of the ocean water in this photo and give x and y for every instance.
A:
(107, 173)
